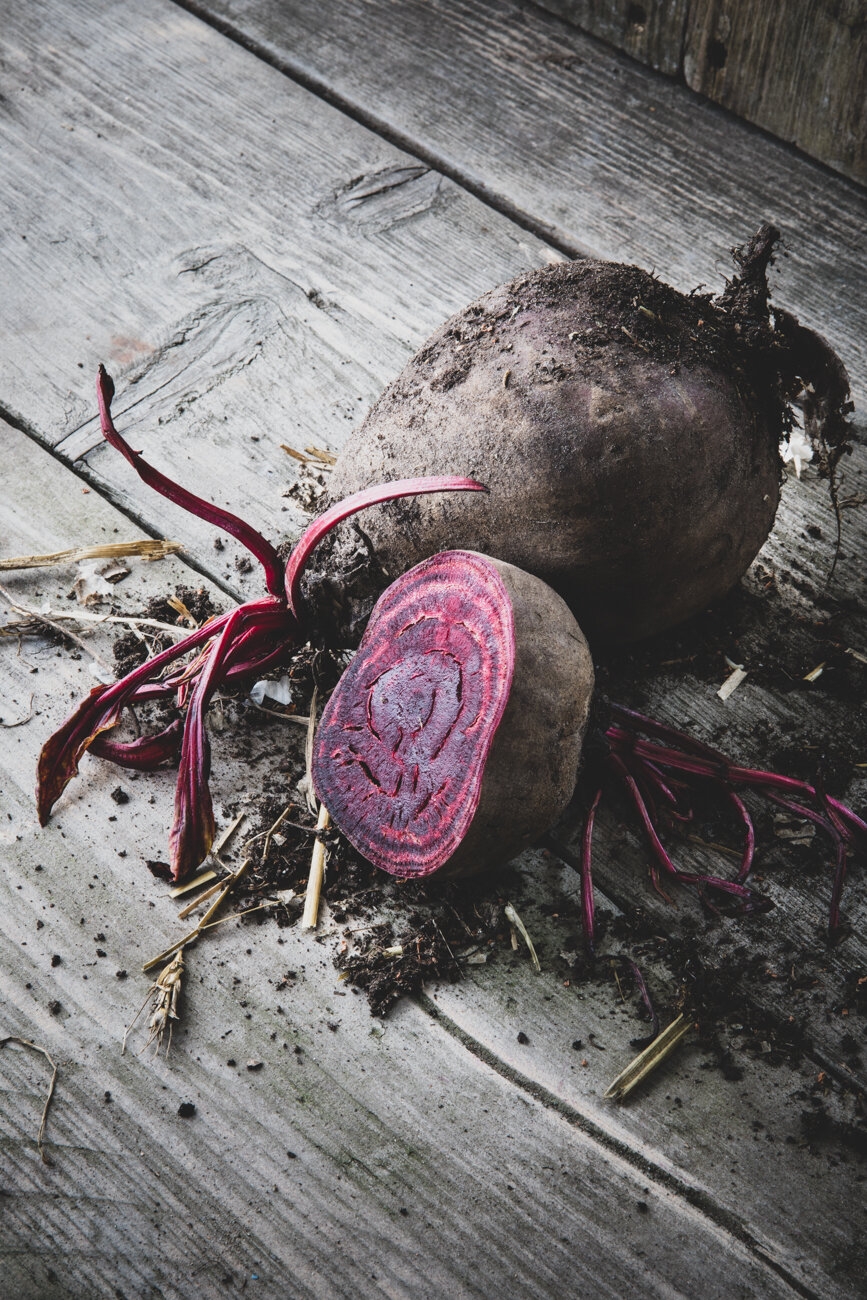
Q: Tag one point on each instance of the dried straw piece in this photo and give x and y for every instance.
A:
(317, 873)
(194, 934)
(166, 991)
(515, 920)
(34, 1047)
(191, 884)
(150, 549)
(647, 1061)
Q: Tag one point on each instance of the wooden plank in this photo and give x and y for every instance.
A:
(573, 180)
(355, 1159)
(209, 389)
(286, 312)
(651, 32)
(749, 1139)
(795, 69)
(578, 142)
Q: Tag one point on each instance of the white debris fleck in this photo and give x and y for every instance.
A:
(731, 683)
(798, 449)
(280, 691)
(94, 578)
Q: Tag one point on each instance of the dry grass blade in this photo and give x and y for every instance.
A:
(194, 934)
(48, 620)
(319, 453)
(309, 792)
(180, 608)
(149, 550)
(515, 920)
(179, 890)
(647, 1061)
(296, 455)
(202, 898)
(34, 1047)
(19, 722)
(79, 616)
(223, 838)
(317, 873)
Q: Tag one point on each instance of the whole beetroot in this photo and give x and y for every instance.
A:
(629, 436)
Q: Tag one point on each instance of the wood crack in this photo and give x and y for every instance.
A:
(695, 1197)
(408, 144)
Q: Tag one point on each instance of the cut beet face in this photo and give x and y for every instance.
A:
(453, 738)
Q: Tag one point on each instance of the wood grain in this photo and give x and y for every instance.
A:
(254, 265)
(354, 1158)
(794, 67)
(205, 405)
(652, 31)
(578, 142)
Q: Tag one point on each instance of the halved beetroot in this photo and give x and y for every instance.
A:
(452, 740)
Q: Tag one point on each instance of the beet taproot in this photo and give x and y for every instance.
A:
(452, 741)
(628, 434)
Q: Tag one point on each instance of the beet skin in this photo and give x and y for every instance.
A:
(628, 435)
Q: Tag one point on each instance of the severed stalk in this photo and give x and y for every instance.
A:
(317, 873)
(647, 1061)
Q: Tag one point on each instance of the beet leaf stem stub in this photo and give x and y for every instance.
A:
(312, 535)
(264, 552)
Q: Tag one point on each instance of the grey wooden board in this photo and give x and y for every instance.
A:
(795, 68)
(578, 141)
(418, 1169)
(198, 402)
(394, 250)
(653, 32)
(232, 236)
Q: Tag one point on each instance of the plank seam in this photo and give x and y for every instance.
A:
(723, 1219)
(393, 135)
(388, 131)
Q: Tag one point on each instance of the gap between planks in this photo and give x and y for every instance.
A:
(698, 1199)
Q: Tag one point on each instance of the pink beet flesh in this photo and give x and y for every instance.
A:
(403, 742)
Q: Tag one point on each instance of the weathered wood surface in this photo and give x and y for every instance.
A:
(795, 67)
(202, 399)
(417, 1168)
(278, 317)
(651, 32)
(578, 142)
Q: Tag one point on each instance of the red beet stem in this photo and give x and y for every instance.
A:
(144, 754)
(101, 710)
(641, 985)
(693, 761)
(588, 906)
(192, 832)
(314, 533)
(264, 552)
(748, 897)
